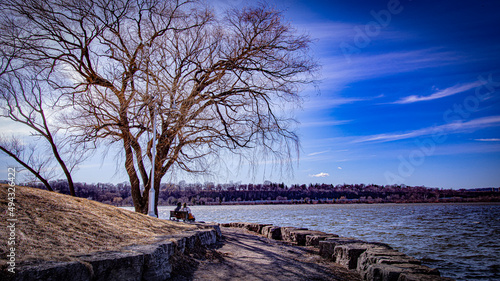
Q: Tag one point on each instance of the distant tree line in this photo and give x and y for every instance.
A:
(210, 193)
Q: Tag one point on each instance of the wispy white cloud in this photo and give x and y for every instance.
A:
(457, 89)
(320, 175)
(449, 128)
(338, 72)
(330, 102)
(324, 123)
(467, 148)
(318, 153)
(328, 34)
(488, 140)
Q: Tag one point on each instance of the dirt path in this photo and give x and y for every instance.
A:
(247, 256)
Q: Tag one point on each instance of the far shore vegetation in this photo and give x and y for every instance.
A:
(209, 193)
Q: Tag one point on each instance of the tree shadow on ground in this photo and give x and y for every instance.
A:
(250, 257)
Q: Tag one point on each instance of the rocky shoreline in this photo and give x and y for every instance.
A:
(157, 261)
(373, 261)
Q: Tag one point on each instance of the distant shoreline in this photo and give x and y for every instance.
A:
(360, 203)
(274, 193)
(337, 202)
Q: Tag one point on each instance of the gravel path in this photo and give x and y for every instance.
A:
(246, 256)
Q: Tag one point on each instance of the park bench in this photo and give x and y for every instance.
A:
(179, 215)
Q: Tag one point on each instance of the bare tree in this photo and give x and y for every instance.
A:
(32, 103)
(213, 83)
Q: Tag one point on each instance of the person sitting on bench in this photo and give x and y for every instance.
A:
(177, 214)
(179, 207)
(185, 208)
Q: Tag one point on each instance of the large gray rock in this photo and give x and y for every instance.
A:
(126, 266)
(286, 233)
(50, 271)
(313, 239)
(422, 277)
(256, 227)
(180, 241)
(348, 254)
(207, 237)
(327, 246)
(392, 272)
(251, 226)
(192, 241)
(300, 236)
(272, 232)
(212, 225)
(234, 224)
(157, 264)
(379, 255)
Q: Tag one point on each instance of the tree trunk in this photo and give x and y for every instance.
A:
(140, 201)
(55, 151)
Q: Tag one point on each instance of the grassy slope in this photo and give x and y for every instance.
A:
(53, 226)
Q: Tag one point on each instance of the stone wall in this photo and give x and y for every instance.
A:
(134, 263)
(373, 261)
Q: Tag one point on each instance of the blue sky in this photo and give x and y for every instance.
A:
(408, 93)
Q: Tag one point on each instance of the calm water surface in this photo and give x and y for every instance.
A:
(461, 240)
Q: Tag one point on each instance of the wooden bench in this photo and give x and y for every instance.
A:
(179, 215)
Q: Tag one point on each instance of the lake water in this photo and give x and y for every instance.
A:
(461, 240)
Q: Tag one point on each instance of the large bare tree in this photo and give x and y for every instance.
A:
(213, 82)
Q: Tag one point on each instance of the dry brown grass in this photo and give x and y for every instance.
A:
(53, 226)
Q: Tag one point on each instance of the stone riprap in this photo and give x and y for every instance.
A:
(272, 232)
(373, 261)
(314, 239)
(135, 263)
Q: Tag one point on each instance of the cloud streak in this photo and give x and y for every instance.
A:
(450, 128)
(318, 153)
(330, 102)
(325, 123)
(457, 89)
(488, 140)
(338, 72)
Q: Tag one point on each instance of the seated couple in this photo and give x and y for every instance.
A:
(185, 208)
